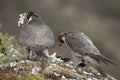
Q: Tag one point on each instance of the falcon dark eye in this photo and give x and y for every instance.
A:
(31, 13)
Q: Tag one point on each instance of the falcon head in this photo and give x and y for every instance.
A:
(61, 38)
(29, 14)
(26, 17)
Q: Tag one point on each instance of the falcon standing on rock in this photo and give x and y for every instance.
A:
(35, 34)
(83, 50)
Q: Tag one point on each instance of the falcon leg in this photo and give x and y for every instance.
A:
(46, 52)
(32, 55)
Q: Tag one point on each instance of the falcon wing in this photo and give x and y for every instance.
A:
(100, 57)
(80, 43)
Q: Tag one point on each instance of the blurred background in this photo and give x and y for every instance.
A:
(99, 19)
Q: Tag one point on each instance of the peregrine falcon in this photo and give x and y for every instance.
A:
(34, 33)
(83, 49)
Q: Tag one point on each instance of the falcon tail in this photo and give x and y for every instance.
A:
(105, 60)
(100, 58)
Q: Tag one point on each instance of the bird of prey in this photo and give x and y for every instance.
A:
(83, 49)
(34, 33)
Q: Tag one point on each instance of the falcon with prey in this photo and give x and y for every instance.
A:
(35, 34)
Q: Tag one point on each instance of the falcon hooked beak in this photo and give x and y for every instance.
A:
(61, 38)
(26, 17)
(60, 42)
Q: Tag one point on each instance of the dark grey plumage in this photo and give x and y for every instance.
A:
(34, 33)
(83, 48)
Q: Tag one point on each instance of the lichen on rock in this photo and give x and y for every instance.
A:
(15, 66)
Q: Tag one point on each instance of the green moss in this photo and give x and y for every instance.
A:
(36, 78)
(6, 42)
(9, 49)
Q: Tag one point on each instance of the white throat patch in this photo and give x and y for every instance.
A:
(22, 20)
